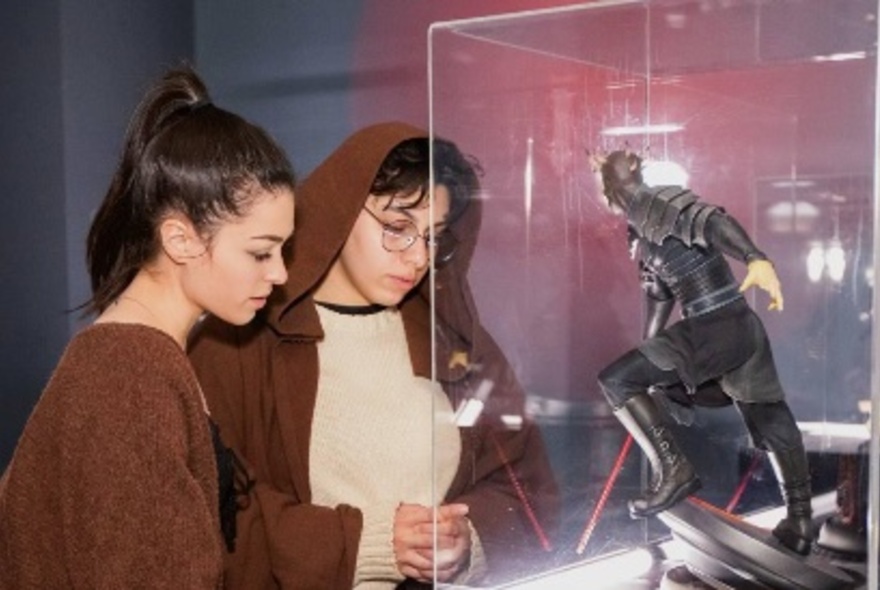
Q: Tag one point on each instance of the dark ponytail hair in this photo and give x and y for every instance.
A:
(181, 154)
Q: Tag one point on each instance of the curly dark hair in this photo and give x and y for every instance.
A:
(406, 170)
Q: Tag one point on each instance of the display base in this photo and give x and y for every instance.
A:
(743, 556)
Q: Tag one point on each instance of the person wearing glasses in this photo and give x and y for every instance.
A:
(356, 461)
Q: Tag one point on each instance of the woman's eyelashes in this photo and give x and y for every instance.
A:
(268, 253)
(262, 256)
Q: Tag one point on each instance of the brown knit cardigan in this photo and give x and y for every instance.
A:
(261, 383)
(113, 483)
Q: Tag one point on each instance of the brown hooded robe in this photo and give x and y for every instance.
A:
(261, 382)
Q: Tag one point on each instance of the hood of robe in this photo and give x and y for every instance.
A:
(328, 203)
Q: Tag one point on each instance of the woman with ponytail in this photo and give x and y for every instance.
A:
(119, 479)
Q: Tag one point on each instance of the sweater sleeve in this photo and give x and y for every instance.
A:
(137, 486)
(375, 559)
(283, 541)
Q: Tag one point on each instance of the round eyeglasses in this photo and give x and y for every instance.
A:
(401, 234)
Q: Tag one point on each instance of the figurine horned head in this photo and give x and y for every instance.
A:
(621, 172)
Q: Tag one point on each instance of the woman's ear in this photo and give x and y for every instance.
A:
(180, 240)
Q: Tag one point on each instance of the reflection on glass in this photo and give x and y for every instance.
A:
(765, 108)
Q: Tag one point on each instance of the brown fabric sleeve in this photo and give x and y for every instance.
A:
(308, 546)
(121, 465)
(282, 541)
(133, 497)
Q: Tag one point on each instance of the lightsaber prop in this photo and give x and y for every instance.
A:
(603, 497)
(539, 530)
(741, 488)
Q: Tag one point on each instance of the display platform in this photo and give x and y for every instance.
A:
(739, 554)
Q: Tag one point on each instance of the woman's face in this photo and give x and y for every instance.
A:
(366, 272)
(243, 261)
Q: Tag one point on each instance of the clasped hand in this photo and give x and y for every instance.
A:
(414, 536)
(762, 274)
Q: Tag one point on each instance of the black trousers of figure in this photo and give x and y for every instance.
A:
(626, 384)
(772, 426)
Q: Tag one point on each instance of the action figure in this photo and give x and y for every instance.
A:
(717, 354)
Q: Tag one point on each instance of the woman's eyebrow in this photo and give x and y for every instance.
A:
(406, 213)
(269, 237)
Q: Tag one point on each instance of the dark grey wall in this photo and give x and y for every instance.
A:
(110, 53)
(32, 254)
(287, 66)
(71, 77)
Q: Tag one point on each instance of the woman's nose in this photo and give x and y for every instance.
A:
(418, 254)
(278, 271)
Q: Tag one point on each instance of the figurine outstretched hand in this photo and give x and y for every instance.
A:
(762, 274)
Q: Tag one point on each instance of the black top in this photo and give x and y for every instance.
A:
(353, 309)
(227, 463)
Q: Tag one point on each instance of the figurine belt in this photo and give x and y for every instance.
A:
(711, 301)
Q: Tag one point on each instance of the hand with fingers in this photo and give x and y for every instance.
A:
(415, 533)
(762, 274)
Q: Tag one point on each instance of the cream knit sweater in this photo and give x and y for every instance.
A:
(380, 435)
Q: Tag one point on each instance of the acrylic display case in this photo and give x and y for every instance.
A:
(766, 108)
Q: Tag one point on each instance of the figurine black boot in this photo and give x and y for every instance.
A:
(673, 478)
(795, 531)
